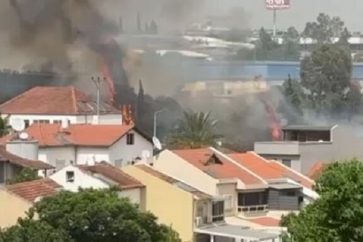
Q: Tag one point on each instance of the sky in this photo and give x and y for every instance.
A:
(301, 11)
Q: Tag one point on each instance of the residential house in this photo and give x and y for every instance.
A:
(303, 145)
(85, 143)
(247, 192)
(13, 160)
(17, 199)
(195, 215)
(59, 104)
(100, 176)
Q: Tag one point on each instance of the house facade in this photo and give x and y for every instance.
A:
(195, 215)
(303, 146)
(100, 176)
(59, 105)
(246, 191)
(86, 144)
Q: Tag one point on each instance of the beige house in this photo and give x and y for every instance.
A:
(15, 200)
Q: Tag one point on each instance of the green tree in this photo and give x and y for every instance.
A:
(94, 216)
(265, 46)
(195, 130)
(291, 45)
(26, 174)
(294, 94)
(324, 29)
(338, 214)
(4, 126)
(326, 74)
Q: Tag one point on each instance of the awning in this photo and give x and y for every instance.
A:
(284, 186)
(237, 232)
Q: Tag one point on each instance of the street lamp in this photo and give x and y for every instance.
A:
(155, 120)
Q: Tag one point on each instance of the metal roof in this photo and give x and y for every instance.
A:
(233, 231)
(284, 186)
(307, 128)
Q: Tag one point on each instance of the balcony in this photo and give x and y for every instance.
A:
(278, 148)
(253, 210)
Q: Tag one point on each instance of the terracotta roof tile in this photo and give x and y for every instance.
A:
(54, 101)
(34, 189)
(16, 160)
(226, 170)
(113, 173)
(269, 170)
(49, 135)
(173, 181)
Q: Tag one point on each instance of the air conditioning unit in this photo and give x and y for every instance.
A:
(198, 221)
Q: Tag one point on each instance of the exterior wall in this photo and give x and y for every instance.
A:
(314, 152)
(8, 171)
(280, 201)
(81, 180)
(73, 119)
(90, 155)
(135, 195)
(123, 154)
(54, 155)
(25, 149)
(169, 203)
(229, 192)
(173, 165)
(12, 208)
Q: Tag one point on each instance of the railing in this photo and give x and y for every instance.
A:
(250, 210)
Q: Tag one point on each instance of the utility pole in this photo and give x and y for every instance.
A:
(274, 23)
(156, 120)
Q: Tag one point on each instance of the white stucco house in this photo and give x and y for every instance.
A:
(83, 144)
(100, 176)
(58, 104)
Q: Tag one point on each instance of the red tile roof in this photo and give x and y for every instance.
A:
(54, 101)
(113, 173)
(266, 221)
(317, 170)
(226, 170)
(5, 156)
(34, 189)
(49, 135)
(269, 170)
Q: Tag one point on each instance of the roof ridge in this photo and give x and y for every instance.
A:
(239, 165)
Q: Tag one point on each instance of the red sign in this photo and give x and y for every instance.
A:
(277, 4)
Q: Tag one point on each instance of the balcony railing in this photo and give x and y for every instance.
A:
(251, 210)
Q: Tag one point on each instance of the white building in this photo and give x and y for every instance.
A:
(82, 144)
(100, 176)
(58, 104)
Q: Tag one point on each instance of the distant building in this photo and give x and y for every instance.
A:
(100, 176)
(302, 146)
(82, 144)
(58, 105)
(17, 199)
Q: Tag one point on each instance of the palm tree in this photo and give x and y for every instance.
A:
(195, 130)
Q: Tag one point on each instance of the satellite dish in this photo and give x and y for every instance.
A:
(24, 136)
(17, 124)
(145, 154)
(157, 143)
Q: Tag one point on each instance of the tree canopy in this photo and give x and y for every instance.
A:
(338, 214)
(88, 216)
(195, 130)
(25, 174)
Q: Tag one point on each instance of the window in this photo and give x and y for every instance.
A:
(130, 139)
(286, 162)
(57, 121)
(27, 123)
(218, 211)
(70, 176)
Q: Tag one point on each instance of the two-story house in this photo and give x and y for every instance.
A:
(247, 191)
(85, 143)
(195, 215)
(302, 146)
(59, 104)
